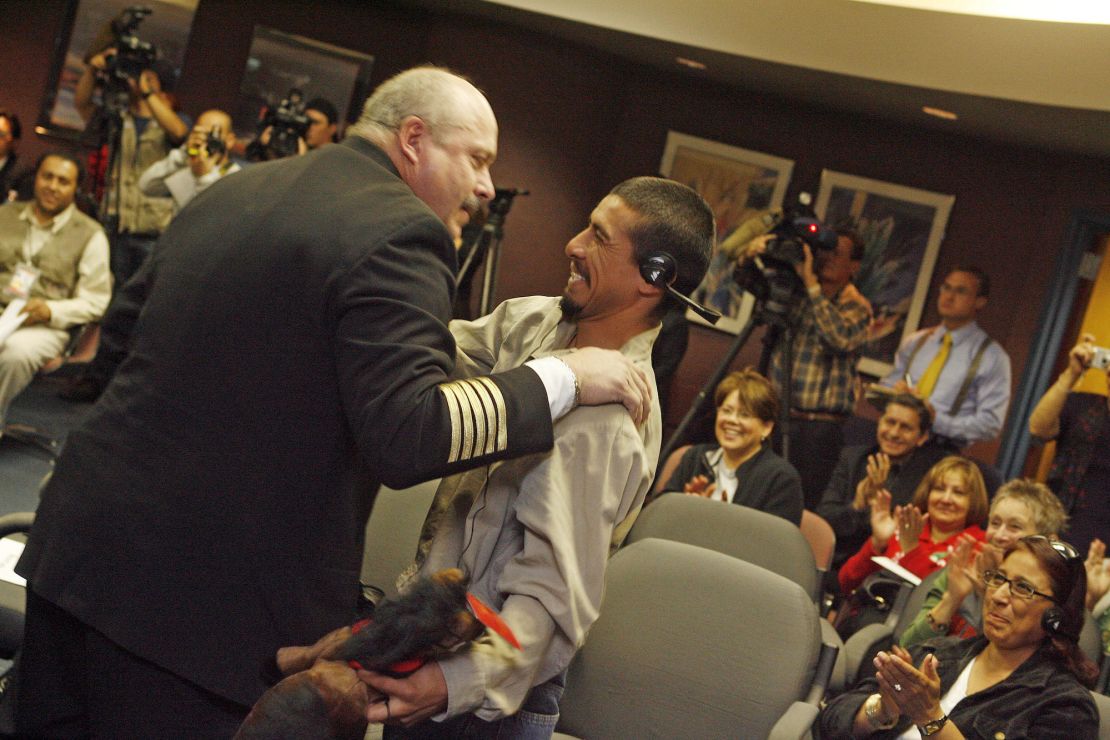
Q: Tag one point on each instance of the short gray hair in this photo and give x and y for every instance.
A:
(431, 93)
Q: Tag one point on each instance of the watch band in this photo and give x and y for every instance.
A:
(932, 728)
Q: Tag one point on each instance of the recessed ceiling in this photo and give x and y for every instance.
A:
(1028, 82)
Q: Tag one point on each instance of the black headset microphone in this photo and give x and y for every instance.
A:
(659, 269)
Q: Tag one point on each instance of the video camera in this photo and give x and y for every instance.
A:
(287, 124)
(771, 278)
(133, 55)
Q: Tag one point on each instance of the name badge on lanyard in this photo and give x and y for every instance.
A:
(23, 279)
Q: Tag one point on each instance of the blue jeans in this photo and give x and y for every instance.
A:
(535, 721)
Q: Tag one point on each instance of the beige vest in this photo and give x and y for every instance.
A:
(138, 213)
(58, 258)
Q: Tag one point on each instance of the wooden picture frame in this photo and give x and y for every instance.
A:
(737, 183)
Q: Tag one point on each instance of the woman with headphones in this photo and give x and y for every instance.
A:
(1024, 677)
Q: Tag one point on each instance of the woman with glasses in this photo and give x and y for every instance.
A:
(953, 605)
(742, 468)
(1024, 677)
(949, 504)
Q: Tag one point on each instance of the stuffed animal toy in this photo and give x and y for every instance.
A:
(322, 697)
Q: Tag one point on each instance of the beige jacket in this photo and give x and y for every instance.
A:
(535, 533)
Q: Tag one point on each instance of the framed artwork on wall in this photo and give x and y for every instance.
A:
(87, 29)
(902, 228)
(280, 62)
(737, 183)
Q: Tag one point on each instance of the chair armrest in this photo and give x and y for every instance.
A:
(863, 645)
(796, 723)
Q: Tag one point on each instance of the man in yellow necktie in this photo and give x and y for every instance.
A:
(962, 373)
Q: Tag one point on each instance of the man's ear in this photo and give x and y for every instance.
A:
(411, 137)
(980, 302)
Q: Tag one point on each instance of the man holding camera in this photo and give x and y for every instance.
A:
(829, 327)
(204, 158)
(1080, 424)
(961, 372)
(149, 129)
(323, 122)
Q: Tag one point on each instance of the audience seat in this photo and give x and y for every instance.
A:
(754, 536)
(392, 533)
(748, 534)
(669, 465)
(694, 643)
(821, 537)
(1103, 703)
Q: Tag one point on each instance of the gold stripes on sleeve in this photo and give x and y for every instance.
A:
(479, 423)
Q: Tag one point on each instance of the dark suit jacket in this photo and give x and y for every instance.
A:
(287, 360)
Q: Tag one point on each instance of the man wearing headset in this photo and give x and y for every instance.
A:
(534, 533)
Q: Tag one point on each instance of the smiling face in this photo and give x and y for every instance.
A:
(1010, 621)
(604, 276)
(1010, 520)
(949, 501)
(739, 432)
(55, 186)
(899, 432)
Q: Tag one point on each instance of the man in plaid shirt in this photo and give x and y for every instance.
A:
(830, 325)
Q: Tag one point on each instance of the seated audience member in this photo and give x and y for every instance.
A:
(742, 467)
(58, 258)
(950, 501)
(954, 606)
(323, 123)
(1024, 677)
(1080, 424)
(11, 180)
(187, 170)
(535, 533)
(897, 463)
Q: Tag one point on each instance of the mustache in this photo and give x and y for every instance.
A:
(472, 205)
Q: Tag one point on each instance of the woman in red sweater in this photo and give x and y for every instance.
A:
(950, 502)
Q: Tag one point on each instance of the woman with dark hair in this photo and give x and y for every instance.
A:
(949, 505)
(742, 467)
(1024, 677)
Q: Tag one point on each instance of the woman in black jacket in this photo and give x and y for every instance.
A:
(742, 467)
(1023, 677)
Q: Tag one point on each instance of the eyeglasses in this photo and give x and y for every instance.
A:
(995, 580)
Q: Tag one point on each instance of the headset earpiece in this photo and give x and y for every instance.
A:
(1052, 621)
(659, 269)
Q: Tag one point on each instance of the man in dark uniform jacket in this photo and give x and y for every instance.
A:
(292, 355)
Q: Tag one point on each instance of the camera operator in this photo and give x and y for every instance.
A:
(283, 130)
(149, 129)
(202, 160)
(1080, 424)
(830, 325)
(323, 123)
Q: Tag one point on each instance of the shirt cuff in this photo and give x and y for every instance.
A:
(465, 685)
(559, 382)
